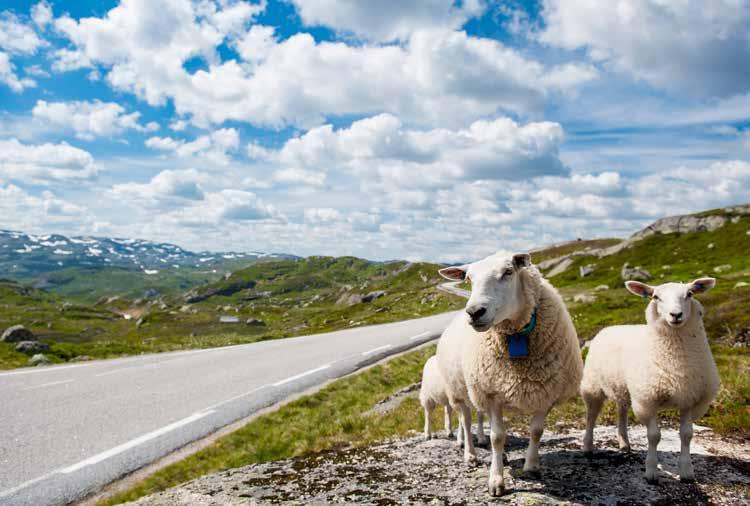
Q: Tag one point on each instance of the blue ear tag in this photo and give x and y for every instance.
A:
(518, 343)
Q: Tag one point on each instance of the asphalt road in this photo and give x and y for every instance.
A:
(66, 431)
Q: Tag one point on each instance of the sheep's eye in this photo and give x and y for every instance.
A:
(507, 273)
(655, 297)
(689, 294)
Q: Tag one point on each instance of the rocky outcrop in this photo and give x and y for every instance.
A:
(17, 333)
(415, 471)
(634, 273)
(32, 347)
(560, 267)
(225, 288)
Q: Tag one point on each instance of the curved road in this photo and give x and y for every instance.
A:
(68, 430)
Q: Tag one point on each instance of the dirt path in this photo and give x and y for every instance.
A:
(415, 471)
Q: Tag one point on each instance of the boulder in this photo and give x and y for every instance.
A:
(37, 360)
(17, 333)
(634, 273)
(722, 268)
(256, 322)
(601, 288)
(373, 295)
(560, 267)
(585, 270)
(741, 284)
(349, 299)
(32, 347)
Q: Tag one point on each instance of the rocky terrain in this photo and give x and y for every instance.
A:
(415, 471)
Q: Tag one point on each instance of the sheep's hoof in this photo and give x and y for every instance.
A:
(688, 478)
(470, 459)
(506, 460)
(588, 454)
(651, 478)
(625, 448)
(497, 486)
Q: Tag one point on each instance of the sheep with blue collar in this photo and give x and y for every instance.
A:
(517, 349)
(665, 364)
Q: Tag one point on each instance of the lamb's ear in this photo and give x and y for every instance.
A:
(521, 260)
(455, 273)
(640, 289)
(701, 285)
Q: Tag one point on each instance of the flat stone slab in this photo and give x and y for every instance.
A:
(415, 471)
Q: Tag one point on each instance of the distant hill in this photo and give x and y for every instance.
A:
(24, 256)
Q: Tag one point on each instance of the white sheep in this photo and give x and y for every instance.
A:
(432, 394)
(515, 347)
(666, 364)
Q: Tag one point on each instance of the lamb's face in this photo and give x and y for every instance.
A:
(673, 301)
(495, 288)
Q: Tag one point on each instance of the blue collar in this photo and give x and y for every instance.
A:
(518, 343)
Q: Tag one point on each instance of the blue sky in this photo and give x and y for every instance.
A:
(432, 129)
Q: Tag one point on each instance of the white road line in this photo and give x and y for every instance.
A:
(51, 383)
(134, 442)
(43, 369)
(384, 347)
(10, 491)
(302, 375)
(420, 336)
(240, 396)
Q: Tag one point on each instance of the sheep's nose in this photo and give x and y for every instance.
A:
(676, 316)
(476, 313)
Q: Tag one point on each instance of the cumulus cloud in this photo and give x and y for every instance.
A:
(169, 187)
(380, 148)
(41, 13)
(45, 163)
(90, 119)
(438, 75)
(20, 210)
(9, 77)
(222, 207)
(213, 147)
(694, 47)
(17, 37)
(387, 20)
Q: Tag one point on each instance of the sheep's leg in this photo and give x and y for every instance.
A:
(460, 431)
(594, 405)
(470, 454)
(448, 427)
(654, 436)
(497, 438)
(686, 435)
(531, 464)
(622, 426)
(481, 436)
(427, 431)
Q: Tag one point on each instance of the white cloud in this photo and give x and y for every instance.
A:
(225, 206)
(166, 188)
(695, 47)
(8, 75)
(17, 37)
(41, 13)
(437, 76)
(43, 163)
(20, 210)
(90, 119)
(386, 20)
(381, 149)
(213, 147)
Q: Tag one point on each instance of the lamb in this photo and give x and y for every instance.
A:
(665, 364)
(515, 347)
(432, 394)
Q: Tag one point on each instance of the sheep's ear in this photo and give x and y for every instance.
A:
(521, 260)
(701, 285)
(455, 273)
(640, 289)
